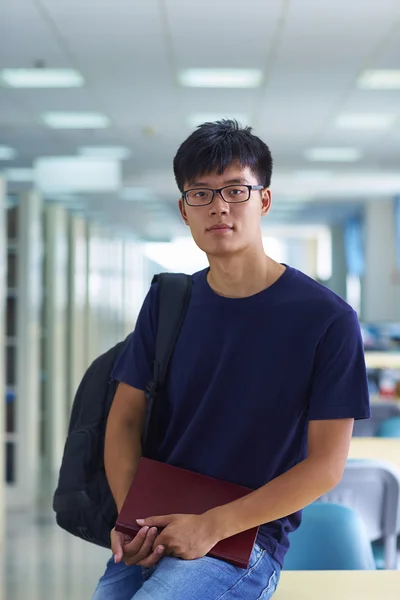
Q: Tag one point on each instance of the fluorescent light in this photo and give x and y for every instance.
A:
(380, 79)
(7, 153)
(225, 78)
(198, 119)
(365, 121)
(77, 174)
(42, 78)
(333, 154)
(66, 120)
(19, 175)
(354, 183)
(115, 152)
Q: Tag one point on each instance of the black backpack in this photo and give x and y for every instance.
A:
(83, 502)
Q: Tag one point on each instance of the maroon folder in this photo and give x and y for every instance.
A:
(161, 489)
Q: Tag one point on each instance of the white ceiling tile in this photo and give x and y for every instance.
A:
(222, 34)
(129, 52)
(26, 38)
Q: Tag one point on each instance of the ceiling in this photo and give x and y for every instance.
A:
(130, 54)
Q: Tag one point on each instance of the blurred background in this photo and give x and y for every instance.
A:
(95, 98)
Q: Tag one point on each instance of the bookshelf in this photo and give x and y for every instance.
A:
(11, 437)
(3, 440)
(22, 347)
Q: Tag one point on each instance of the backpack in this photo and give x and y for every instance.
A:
(83, 502)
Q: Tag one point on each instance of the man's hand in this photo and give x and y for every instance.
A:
(138, 550)
(183, 536)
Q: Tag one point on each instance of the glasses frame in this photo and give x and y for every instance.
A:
(219, 191)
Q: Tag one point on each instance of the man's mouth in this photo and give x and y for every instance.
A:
(220, 227)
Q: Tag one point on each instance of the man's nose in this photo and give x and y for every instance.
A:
(218, 205)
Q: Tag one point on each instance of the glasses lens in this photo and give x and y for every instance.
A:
(199, 197)
(236, 193)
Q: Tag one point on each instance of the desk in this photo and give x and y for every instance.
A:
(338, 585)
(387, 449)
(382, 360)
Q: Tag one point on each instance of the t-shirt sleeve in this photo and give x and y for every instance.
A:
(339, 386)
(135, 364)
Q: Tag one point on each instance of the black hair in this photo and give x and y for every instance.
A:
(212, 147)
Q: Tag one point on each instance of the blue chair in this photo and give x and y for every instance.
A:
(390, 428)
(372, 489)
(331, 537)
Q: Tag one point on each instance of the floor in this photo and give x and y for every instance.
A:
(41, 562)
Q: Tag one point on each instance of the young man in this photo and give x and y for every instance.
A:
(266, 379)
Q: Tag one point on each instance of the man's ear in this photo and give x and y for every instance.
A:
(182, 210)
(266, 199)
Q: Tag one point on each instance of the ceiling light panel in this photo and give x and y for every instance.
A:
(333, 154)
(221, 78)
(380, 79)
(75, 120)
(41, 78)
(368, 121)
(77, 174)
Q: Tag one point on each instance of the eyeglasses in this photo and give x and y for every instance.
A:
(232, 194)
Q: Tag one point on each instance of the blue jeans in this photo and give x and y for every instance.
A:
(201, 579)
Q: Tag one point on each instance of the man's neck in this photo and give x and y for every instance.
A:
(243, 275)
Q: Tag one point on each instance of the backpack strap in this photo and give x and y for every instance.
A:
(173, 300)
(174, 291)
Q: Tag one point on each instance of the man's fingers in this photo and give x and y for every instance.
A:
(118, 554)
(148, 543)
(133, 557)
(116, 546)
(153, 559)
(160, 521)
(134, 554)
(137, 542)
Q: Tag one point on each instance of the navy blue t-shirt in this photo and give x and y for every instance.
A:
(246, 377)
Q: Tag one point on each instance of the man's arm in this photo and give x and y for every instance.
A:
(328, 447)
(122, 453)
(192, 536)
(123, 449)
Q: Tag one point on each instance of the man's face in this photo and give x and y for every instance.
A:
(222, 228)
